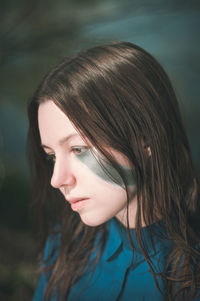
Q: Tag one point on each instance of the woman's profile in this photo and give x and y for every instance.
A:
(115, 191)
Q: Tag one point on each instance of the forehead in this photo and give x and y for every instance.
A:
(53, 123)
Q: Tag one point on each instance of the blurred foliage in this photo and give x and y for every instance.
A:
(17, 265)
(34, 36)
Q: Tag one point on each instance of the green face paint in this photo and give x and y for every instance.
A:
(103, 169)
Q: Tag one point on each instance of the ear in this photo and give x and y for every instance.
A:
(148, 150)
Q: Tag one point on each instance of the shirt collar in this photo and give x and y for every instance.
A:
(114, 239)
(117, 237)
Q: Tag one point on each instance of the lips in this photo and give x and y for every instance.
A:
(77, 203)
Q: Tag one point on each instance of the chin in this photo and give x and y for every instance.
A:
(92, 222)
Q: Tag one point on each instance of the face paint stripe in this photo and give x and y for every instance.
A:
(103, 169)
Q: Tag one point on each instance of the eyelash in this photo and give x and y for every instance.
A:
(51, 158)
(77, 150)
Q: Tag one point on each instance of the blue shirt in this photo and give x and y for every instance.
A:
(120, 275)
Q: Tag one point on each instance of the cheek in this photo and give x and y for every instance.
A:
(104, 170)
(106, 203)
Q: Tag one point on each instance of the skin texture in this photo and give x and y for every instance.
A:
(78, 174)
(101, 168)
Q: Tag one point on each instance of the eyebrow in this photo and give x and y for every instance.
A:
(63, 140)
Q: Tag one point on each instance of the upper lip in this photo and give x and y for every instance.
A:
(74, 200)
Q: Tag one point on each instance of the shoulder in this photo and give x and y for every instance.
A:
(50, 254)
(51, 248)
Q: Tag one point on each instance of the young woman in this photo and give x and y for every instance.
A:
(118, 201)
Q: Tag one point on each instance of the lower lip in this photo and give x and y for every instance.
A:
(78, 205)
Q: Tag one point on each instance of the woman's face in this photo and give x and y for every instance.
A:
(95, 194)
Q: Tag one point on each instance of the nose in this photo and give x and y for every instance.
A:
(62, 175)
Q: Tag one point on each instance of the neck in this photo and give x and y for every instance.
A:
(122, 215)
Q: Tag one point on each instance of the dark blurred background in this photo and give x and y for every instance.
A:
(34, 36)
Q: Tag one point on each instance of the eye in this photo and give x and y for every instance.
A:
(78, 150)
(51, 158)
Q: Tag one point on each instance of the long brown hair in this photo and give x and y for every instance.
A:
(118, 95)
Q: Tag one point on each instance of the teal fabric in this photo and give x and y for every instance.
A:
(120, 274)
